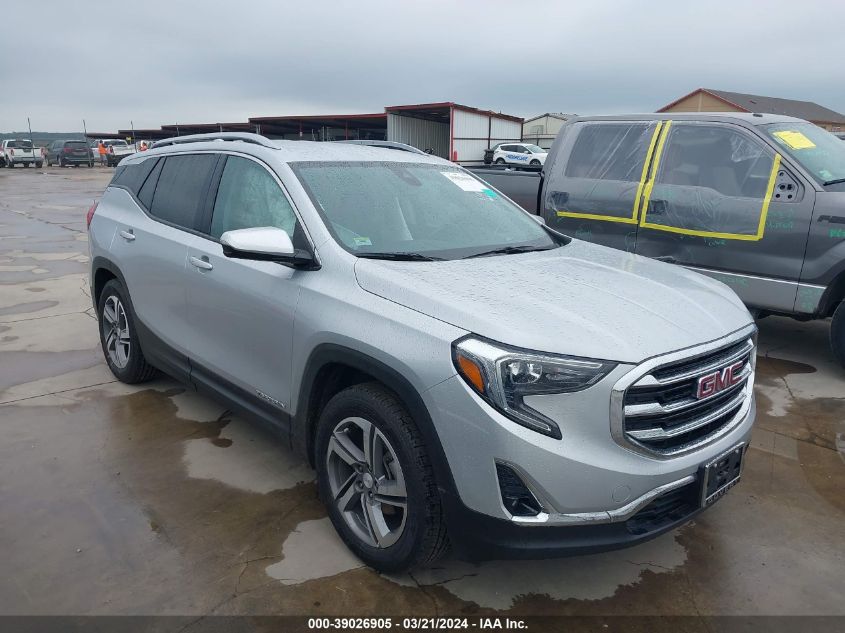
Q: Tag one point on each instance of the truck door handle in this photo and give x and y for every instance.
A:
(657, 207)
(202, 264)
(129, 235)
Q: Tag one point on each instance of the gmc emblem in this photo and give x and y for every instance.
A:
(719, 380)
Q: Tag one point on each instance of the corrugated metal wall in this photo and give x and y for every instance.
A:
(420, 133)
(506, 129)
(474, 132)
(470, 124)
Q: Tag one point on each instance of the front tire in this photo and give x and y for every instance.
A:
(500, 161)
(119, 336)
(376, 480)
(837, 334)
(535, 163)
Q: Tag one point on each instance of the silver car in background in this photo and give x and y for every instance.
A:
(457, 373)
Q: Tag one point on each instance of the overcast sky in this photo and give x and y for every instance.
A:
(160, 62)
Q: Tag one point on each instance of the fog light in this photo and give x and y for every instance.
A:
(516, 497)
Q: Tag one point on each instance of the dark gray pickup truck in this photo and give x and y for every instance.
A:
(756, 201)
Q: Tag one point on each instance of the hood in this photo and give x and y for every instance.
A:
(580, 299)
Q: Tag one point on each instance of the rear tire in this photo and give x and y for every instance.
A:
(499, 161)
(119, 336)
(837, 334)
(371, 461)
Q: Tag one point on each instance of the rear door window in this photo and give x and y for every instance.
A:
(181, 188)
(604, 175)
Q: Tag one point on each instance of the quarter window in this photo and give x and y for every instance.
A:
(133, 175)
(248, 196)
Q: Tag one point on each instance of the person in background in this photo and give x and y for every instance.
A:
(143, 146)
(101, 150)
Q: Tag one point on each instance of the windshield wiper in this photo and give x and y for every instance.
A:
(511, 250)
(835, 181)
(400, 257)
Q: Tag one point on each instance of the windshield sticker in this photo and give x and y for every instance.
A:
(362, 241)
(490, 193)
(795, 140)
(464, 181)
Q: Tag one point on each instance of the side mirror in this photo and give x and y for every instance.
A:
(265, 243)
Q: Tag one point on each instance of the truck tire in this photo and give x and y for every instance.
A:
(119, 336)
(837, 334)
(382, 499)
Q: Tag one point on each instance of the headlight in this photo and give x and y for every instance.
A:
(503, 376)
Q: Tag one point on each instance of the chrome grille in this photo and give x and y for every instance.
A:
(662, 412)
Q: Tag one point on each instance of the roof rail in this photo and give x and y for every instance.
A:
(244, 137)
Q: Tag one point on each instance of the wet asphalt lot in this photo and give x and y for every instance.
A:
(155, 500)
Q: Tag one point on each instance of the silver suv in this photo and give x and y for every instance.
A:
(458, 373)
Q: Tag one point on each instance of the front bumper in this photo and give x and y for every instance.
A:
(477, 536)
(591, 487)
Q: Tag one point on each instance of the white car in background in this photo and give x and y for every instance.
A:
(519, 154)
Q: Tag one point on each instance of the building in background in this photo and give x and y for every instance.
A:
(450, 130)
(457, 132)
(709, 100)
(543, 128)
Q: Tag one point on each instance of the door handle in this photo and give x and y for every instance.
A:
(129, 236)
(202, 264)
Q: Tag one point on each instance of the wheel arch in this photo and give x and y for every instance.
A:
(103, 270)
(833, 294)
(329, 369)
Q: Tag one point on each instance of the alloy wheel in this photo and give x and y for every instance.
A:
(366, 481)
(116, 332)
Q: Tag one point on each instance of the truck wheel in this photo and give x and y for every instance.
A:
(119, 336)
(376, 479)
(500, 161)
(837, 334)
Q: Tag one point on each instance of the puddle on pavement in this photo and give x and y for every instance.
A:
(26, 308)
(19, 367)
(771, 367)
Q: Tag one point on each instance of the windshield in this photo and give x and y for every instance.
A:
(436, 211)
(817, 150)
(534, 149)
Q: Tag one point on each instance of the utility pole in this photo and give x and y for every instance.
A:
(31, 142)
(132, 125)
